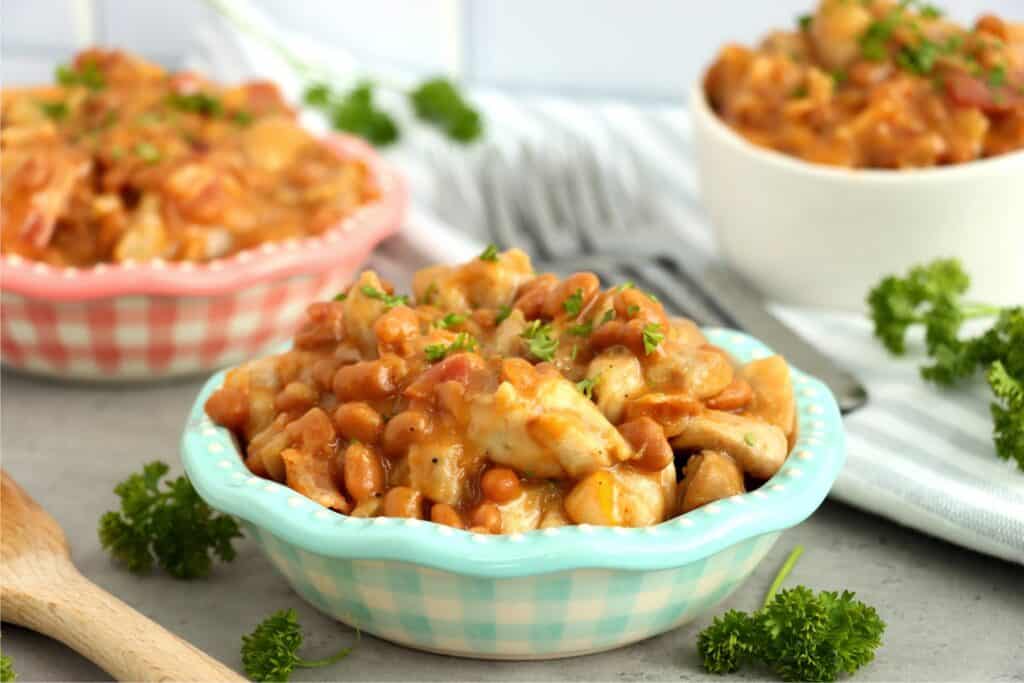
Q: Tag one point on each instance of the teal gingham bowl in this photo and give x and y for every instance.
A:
(552, 593)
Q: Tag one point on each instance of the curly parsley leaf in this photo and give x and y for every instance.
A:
(586, 385)
(504, 311)
(489, 254)
(800, 635)
(574, 303)
(463, 342)
(439, 102)
(87, 74)
(7, 672)
(539, 340)
(270, 652)
(450, 320)
(1007, 412)
(170, 527)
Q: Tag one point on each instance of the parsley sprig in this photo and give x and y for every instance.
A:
(463, 342)
(87, 74)
(800, 635)
(171, 527)
(7, 672)
(389, 300)
(539, 340)
(270, 652)
(652, 335)
(931, 296)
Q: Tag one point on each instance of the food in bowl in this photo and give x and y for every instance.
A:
(877, 84)
(503, 401)
(124, 162)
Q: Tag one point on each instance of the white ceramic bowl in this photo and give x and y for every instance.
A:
(821, 236)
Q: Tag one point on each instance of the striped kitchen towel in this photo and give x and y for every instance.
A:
(918, 455)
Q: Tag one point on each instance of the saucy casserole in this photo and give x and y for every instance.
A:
(502, 401)
(123, 161)
(877, 84)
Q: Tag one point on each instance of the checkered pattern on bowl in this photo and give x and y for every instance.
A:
(158, 318)
(548, 593)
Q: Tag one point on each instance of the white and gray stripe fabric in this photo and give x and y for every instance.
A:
(918, 455)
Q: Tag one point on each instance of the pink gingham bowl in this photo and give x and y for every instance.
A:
(154, 319)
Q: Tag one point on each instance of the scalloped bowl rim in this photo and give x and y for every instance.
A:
(701, 110)
(266, 262)
(214, 466)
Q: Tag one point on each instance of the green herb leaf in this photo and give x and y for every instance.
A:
(997, 76)
(438, 101)
(341, 296)
(574, 303)
(490, 253)
(581, 329)
(56, 111)
(200, 103)
(270, 652)
(171, 527)
(242, 117)
(608, 316)
(317, 95)
(652, 336)
(148, 152)
(804, 21)
(450, 320)
(7, 672)
(586, 386)
(463, 342)
(539, 340)
(87, 75)
(503, 313)
(356, 113)
(389, 300)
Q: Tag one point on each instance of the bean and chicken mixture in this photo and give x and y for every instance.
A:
(123, 161)
(877, 84)
(502, 401)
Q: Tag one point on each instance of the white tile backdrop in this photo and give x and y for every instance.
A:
(643, 49)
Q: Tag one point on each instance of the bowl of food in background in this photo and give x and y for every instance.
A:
(508, 465)
(874, 136)
(159, 224)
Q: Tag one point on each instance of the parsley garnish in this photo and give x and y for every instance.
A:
(87, 75)
(931, 296)
(804, 21)
(341, 296)
(632, 310)
(800, 635)
(539, 340)
(997, 76)
(608, 316)
(450, 320)
(652, 336)
(55, 111)
(200, 103)
(173, 528)
(574, 303)
(504, 312)
(463, 342)
(270, 652)
(439, 102)
(749, 439)
(148, 152)
(930, 12)
(242, 117)
(430, 293)
(586, 386)
(354, 111)
(7, 672)
(389, 300)
(582, 329)
(490, 253)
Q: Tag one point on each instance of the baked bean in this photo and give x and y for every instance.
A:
(586, 284)
(456, 368)
(734, 397)
(500, 484)
(670, 411)
(358, 420)
(324, 325)
(488, 516)
(295, 397)
(323, 372)
(402, 501)
(653, 452)
(228, 407)
(369, 379)
(533, 296)
(992, 25)
(633, 304)
(403, 430)
(364, 473)
(618, 333)
(442, 513)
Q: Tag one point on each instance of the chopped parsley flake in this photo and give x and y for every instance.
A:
(628, 284)
(88, 75)
(930, 12)
(55, 111)
(608, 316)
(652, 336)
(632, 310)
(450, 320)
(463, 342)
(490, 253)
(539, 341)
(804, 21)
(341, 296)
(749, 439)
(574, 304)
(586, 386)
(997, 76)
(503, 313)
(148, 152)
(582, 329)
(389, 300)
(429, 294)
(242, 117)
(200, 103)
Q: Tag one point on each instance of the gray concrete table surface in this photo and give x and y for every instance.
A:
(953, 615)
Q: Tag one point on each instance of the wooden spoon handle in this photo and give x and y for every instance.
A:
(111, 634)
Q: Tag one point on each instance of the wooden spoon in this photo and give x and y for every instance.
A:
(41, 590)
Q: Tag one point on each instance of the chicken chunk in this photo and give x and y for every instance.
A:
(709, 476)
(441, 469)
(760, 448)
(623, 496)
(547, 430)
(539, 501)
(702, 373)
(836, 29)
(617, 377)
(475, 284)
(773, 399)
(363, 307)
